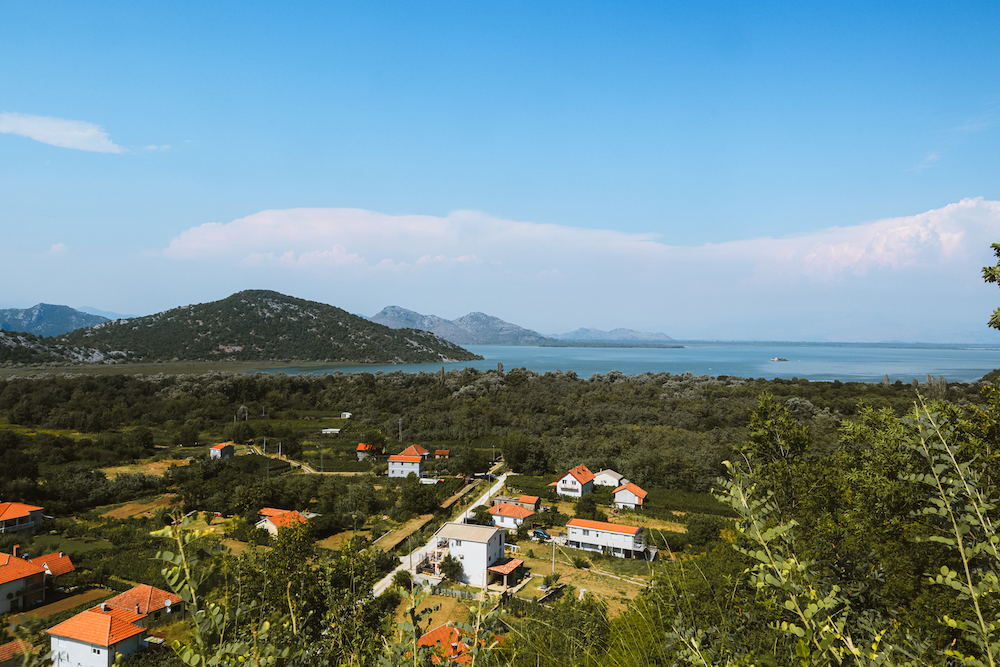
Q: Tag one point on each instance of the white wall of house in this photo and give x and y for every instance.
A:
(474, 552)
(569, 486)
(404, 468)
(625, 499)
(21, 594)
(501, 521)
(609, 542)
(72, 653)
(608, 478)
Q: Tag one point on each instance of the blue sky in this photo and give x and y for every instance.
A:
(708, 170)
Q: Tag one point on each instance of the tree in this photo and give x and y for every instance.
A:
(991, 274)
(482, 515)
(451, 568)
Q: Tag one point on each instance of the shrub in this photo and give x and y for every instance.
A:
(580, 562)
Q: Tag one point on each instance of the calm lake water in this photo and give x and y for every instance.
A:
(814, 362)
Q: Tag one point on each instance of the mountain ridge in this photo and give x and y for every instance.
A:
(472, 329)
(46, 319)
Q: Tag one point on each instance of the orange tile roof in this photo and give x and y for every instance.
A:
(10, 511)
(633, 488)
(13, 568)
(148, 599)
(11, 650)
(408, 459)
(581, 473)
(442, 452)
(222, 445)
(271, 511)
(531, 500)
(362, 447)
(414, 450)
(95, 627)
(453, 646)
(287, 519)
(602, 525)
(127, 615)
(508, 567)
(513, 511)
(56, 564)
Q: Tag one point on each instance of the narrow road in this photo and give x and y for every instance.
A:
(418, 555)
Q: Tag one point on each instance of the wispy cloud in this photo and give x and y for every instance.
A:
(165, 147)
(57, 250)
(927, 162)
(537, 273)
(61, 132)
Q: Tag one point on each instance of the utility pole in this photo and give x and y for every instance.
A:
(553, 556)
(401, 429)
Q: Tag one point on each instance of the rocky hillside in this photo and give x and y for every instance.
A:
(471, 329)
(259, 325)
(26, 348)
(46, 319)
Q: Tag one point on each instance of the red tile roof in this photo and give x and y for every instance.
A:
(580, 473)
(634, 489)
(602, 525)
(222, 445)
(148, 598)
(11, 650)
(408, 459)
(531, 500)
(414, 450)
(362, 447)
(271, 511)
(513, 511)
(10, 511)
(289, 518)
(95, 627)
(13, 568)
(56, 564)
(508, 567)
(442, 452)
(127, 615)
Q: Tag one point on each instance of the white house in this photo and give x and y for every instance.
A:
(22, 584)
(94, 638)
(18, 516)
(402, 466)
(575, 483)
(607, 538)
(271, 519)
(629, 496)
(223, 450)
(345, 415)
(475, 547)
(609, 478)
(509, 516)
(366, 451)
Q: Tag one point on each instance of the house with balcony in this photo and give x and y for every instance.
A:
(575, 483)
(611, 539)
(22, 584)
(18, 516)
(476, 548)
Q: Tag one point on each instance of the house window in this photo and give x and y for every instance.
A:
(586, 532)
(458, 543)
(96, 650)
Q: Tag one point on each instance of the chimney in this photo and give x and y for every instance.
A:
(17, 547)
(104, 606)
(60, 554)
(137, 608)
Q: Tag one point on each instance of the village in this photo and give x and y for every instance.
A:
(484, 550)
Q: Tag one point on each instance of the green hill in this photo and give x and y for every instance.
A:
(260, 325)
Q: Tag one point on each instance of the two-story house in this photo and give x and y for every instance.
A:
(575, 483)
(475, 547)
(155, 604)
(95, 637)
(610, 478)
(18, 516)
(401, 465)
(607, 538)
(509, 516)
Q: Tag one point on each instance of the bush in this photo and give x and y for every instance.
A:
(403, 579)
(451, 568)
(580, 562)
(703, 529)
(551, 579)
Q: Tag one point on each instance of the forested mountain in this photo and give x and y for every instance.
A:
(45, 319)
(472, 329)
(262, 325)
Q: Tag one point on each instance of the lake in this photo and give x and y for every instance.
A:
(845, 362)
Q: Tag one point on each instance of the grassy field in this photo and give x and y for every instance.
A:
(71, 545)
(448, 609)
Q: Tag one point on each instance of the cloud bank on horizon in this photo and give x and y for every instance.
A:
(913, 278)
(76, 134)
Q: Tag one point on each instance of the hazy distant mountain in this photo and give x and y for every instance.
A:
(617, 335)
(46, 319)
(259, 325)
(107, 314)
(471, 329)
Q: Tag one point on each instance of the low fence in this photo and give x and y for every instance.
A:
(452, 593)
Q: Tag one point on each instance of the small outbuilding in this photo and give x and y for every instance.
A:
(223, 450)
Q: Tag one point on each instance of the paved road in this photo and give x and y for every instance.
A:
(419, 554)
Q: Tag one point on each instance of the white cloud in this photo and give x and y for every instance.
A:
(158, 148)
(57, 250)
(77, 134)
(546, 276)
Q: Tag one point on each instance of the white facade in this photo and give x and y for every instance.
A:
(629, 496)
(569, 485)
(609, 478)
(74, 653)
(509, 516)
(402, 466)
(475, 547)
(607, 538)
